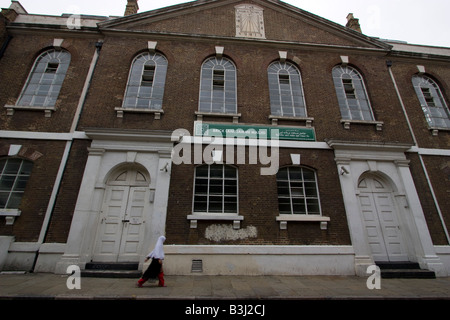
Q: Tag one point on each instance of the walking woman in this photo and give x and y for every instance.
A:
(155, 270)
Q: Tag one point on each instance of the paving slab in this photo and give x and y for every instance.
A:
(51, 286)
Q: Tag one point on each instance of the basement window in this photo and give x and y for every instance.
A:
(197, 266)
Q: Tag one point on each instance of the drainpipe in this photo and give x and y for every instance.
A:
(69, 143)
(4, 46)
(430, 186)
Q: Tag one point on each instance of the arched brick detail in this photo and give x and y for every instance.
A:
(19, 151)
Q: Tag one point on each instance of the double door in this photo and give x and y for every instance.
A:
(381, 221)
(121, 228)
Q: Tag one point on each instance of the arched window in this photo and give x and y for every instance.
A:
(286, 90)
(218, 86)
(351, 93)
(216, 189)
(145, 88)
(298, 192)
(45, 80)
(14, 175)
(432, 102)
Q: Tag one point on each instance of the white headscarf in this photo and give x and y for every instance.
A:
(158, 252)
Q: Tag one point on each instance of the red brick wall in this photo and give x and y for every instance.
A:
(439, 172)
(258, 194)
(15, 67)
(258, 203)
(61, 219)
(403, 71)
(37, 194)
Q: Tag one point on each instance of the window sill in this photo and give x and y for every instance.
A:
(219, 217)
(308, 121)
(156, 112)
(10, 109)
(10, 215)
(435, 130)
(347, 122)
(285, 218)
(201, 114)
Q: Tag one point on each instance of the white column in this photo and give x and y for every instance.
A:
(156, 226)
(82, 214)
(357, 229)
(420, 234)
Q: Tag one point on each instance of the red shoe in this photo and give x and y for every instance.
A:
(161, 280)
(140, 283)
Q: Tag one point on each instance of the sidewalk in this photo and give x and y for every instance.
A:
(54, 287)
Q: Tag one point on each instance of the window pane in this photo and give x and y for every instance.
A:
(230, 205)
(218, 86)
(297, 191)
(230, 172)
(298, 206)
(146, 82)
(351, 94)
(12, 166)
(200, 206)
(14, 200)
(285, 89)
(213, 192)
(295, 174)
(313, 207)
(7, 182)
(45, 79)
(284, 205)
(432, 102)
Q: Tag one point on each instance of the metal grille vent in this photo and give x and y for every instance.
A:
(197, 266)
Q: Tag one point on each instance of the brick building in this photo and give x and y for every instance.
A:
(257, 137)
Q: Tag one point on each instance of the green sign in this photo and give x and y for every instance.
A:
(203, 129)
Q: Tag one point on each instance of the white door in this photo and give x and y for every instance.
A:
(133, 224)
(121, 227)
(380, 218)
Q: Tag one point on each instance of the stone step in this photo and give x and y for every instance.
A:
(112, 266)
(404, 270)
(407, 274)
(398, 265)
(129, 274)
(112, 270)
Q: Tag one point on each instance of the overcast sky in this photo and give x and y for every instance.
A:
(423, 22)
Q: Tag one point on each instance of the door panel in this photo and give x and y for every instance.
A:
(373, 227)
(390, 227)
(133, 229)
(110, 229)
(380, 218)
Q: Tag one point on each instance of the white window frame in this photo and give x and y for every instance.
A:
(215, 216)
(17, 175)
(362, 112)
(296, 96)
(440, 109)
(284, 218)
(212, 101)
(139, 89)
(37, 79)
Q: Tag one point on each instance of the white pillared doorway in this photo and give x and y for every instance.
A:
(122, 203)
